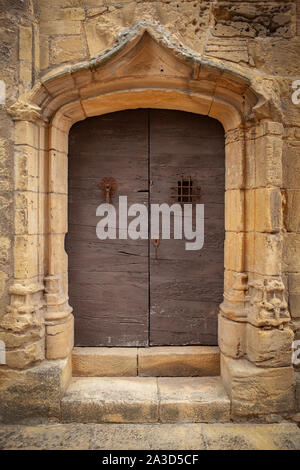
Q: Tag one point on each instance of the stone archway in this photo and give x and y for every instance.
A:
(143, 71)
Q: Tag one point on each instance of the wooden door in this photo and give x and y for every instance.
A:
(122, 295)
(108, 279)
(186, 287)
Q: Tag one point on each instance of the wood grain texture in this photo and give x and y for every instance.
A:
(186, 287)
(110, 280)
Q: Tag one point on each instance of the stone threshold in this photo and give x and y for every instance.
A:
(163, 361)
(145, 400)
(151, 436)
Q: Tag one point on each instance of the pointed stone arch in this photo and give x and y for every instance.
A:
(146, 70)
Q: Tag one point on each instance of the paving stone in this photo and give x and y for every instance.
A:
(193, 399)
(153, 436)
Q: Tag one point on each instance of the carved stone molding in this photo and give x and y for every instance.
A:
(234, 304)
(25, 111)
(268, 305)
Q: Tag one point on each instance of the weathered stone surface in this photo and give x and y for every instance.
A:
(33, 395)
(60, 339)
(148, 437)
(257, 391)
(197, 399)
(269, 347)
(26, 356)
(297, 374)
(231, 337)
(111, 400)
(252, 437)
(294, 294)
(291, 252)
(291, 165)
(177, 361)
(292, 214)
(97, 362)
(253, 20)
(67, 49)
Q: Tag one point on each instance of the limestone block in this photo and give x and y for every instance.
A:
(17, 340)
(268, 161)
(26, 168)
(60, 339)
(269, 168)
(291, 165)
(65, 49)
(44, 51)
(277, 57)
(58, 172)
(97, 362)
(234, 246)
(268, 249)
(25, 43)
(234, 203)
(231, 337)
(294, 294)
(257, 391)
(291, 252)
(294, 305)
(298, 391)
(292, 211)
(5, 246)
(234, 165)
(250, 252)
(203, 399)
(26, 356)
(58, 254)
(33, 395)
(3, 282)
(249, 210)
(26, 213)
(111, 400)
(269, 347)
(58, 140)
(61, 27)
(268, 210)
(179, 361)
(59, 12)
(25, 255)
(58, 213)
(26, 133)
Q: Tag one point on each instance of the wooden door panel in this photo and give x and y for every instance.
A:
(186, 287)
(108, 279)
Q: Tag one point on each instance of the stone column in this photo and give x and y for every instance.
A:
(22, 327)
(58, 317)
(256, 357)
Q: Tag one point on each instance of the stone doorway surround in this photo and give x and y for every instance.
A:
(145, 70)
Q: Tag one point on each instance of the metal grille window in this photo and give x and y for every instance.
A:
(184, 192)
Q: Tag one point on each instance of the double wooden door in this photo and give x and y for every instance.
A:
(127, 292)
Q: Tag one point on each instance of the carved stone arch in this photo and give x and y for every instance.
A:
(145, 69)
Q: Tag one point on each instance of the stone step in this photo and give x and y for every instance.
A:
(165, 361)
(145, 400)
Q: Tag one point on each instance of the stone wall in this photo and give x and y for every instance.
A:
(259, 39)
